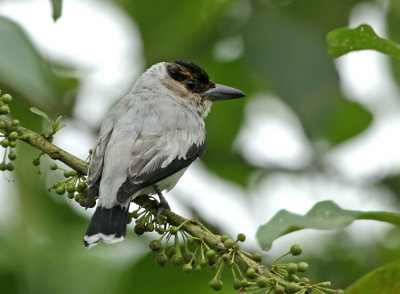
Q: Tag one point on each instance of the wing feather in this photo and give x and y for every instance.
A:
(157, 172)
(96, 165)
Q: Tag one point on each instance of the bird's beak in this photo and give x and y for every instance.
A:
(221, 92)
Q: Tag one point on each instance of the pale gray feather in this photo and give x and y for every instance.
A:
(145, 131)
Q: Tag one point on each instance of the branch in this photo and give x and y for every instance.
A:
(192, 227)
(40, 143)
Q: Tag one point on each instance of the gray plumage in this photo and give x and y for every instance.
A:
(149, 138)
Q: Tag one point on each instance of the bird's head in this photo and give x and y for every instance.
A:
(186, 83)
(192, 84)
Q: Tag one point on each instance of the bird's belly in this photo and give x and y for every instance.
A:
(163, 185)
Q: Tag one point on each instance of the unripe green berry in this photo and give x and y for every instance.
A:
(210, 253)
(81, 187)
(291, 268)
(296, 250)
(6, 98)
(241, 237)
(5, 143)
(224, 237)
(15, 122)
(71, 189)
(10, 166)
(139, 229)
(69, 173)
(2, 125)
(60, 190)
(256, 256)
(174, 230)
(24, 137)
(82, 202)
(177, 259)
(171, 252)
(305, 280)
(302, 266)
(13, 144)
(72, 173)
(161, 259)
(325, 284)
(12, 155)
(251, 272)
(159, 230)
(191, 241)
(4, 109)
(262, 281)
(244, 283)
(53, 166)
(149, 227)
(155, 245)
(225, 257)
(295, 278)
(3, 166)
(216, 284)
(188, 257)
(279, 290)
(228, 243)
(71, 195)
(292, 288)
(187, 268)
(13, 136)
(213, 260)
(203, 263)
(56, 184)
(197, 268)
(237, 284)
(36, 161)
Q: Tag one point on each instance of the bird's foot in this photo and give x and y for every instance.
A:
(163, 204)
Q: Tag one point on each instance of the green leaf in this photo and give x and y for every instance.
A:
(57, 8)
(385, 279)
(393, 24)
(40, 113)
(288, 58)
(170, 29)
(25, 73)
(344, 40)
(325, 215)
(346, 121)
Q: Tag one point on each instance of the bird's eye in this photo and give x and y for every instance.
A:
(191, 84)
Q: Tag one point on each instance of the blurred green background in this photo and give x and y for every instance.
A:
(267, 48)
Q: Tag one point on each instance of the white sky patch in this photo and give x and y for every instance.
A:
(8, 203)
(96, 37)
(272, 135)
(229, 49)
(298, 193)
(366, 77)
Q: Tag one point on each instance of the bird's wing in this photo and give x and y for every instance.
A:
(156, 155)
(96, 164)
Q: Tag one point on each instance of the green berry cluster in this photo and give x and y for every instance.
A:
(8, 140)
(145, 220)
(5, 100)
(74, 185)
(192, 253)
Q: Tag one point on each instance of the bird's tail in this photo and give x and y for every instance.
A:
(107, 224)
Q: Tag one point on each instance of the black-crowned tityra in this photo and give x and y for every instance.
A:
(147, 142)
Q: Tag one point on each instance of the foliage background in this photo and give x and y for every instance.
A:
(274, 48)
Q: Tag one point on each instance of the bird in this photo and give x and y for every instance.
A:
(147, 141)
